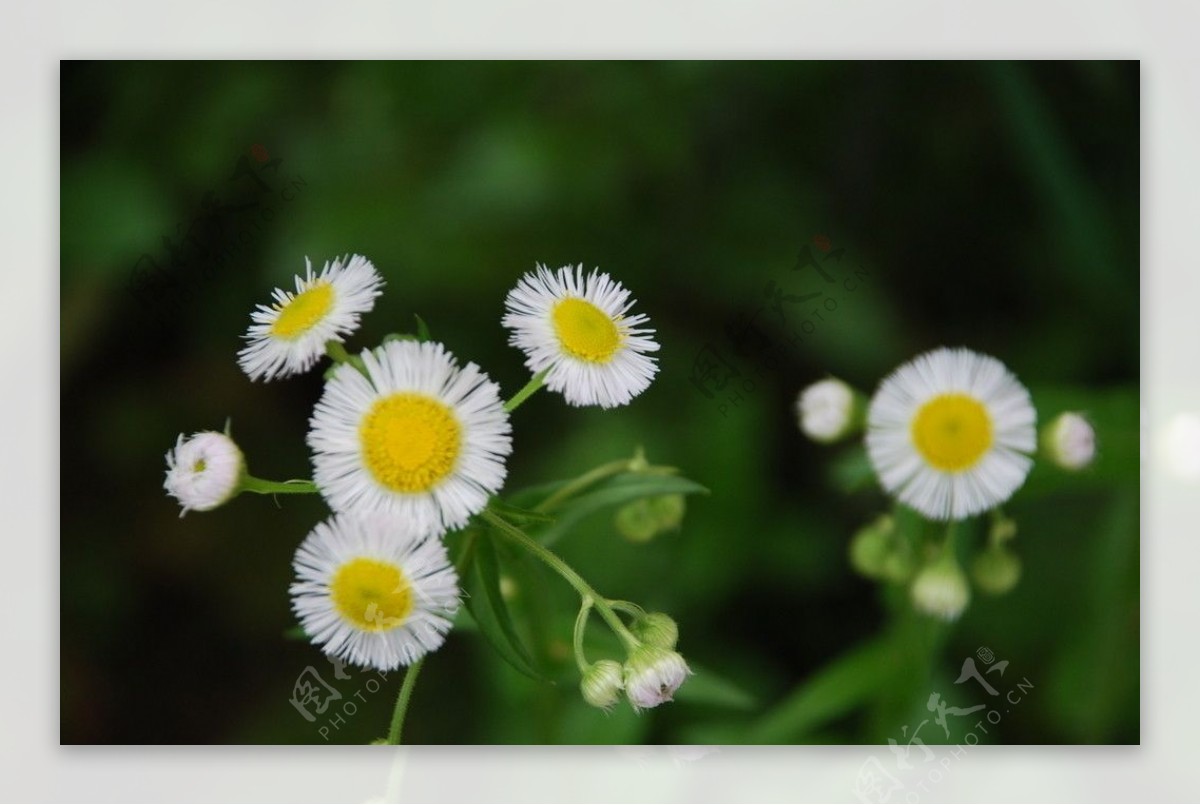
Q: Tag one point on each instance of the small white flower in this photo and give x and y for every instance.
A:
(941, 590)
(602, 684)
(203, 471)
(1070, 441)
(826, 410)
(578, 328)
(652, 675)
(418, 437)
(373, 591)
(949, 433)
(289, 336)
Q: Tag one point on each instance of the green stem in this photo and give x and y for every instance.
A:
(951, 532)
(580, 625)
(535, 383)
(338, 354)
(260, 486)
(560, 567)
(406, 689)
(337, 351)
(628, 607)
(574, 487)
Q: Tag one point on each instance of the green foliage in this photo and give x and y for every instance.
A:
(992, 206)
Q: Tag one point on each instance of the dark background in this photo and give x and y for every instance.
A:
(991, 205)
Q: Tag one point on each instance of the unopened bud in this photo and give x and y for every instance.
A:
(827, 411)
(643, 519)
(1069, 441)
(656, 629)
(652, 675)
(941, 589)
(870, 547)
(602, 683)
(996, 570)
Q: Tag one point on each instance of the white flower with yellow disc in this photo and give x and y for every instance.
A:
(289, 336)
(949, 433)
(416, 437)
(578, 330)
(374, 592)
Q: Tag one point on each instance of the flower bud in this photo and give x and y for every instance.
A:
(636, 521)
(204, 471)
(941, 589)
(826, 411)
(996, 570)
(656, 629)
(871, 546)
(1003, 529)
(602, 683)
(669, 511)
(643, 519)
(652, 675)
(1069, 441)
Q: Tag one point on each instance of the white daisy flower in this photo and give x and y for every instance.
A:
(576, 327)
(203, 471)
(949, 433)
(826, 410)
(417, 437)
(289, 336)
(1070, 441)
(373, 591)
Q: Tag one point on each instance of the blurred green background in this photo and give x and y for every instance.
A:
(994, 206)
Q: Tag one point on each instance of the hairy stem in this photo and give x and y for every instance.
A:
(406, 689)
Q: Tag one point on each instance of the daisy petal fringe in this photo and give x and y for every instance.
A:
(417, 437)
(577, 329)
(374, 592)
(949, 433)
(289, 336)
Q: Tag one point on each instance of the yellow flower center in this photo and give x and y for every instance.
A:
(952, 432)
(375, 596)
(410, 441)
(199, 466)
(306, 309)
(585, 331)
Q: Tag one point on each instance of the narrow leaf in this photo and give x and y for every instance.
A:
(487, 607)
(839, 688)
(706, 687)
(618, 490)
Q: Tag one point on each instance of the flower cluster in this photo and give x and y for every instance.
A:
(408, 445)
(950, 435)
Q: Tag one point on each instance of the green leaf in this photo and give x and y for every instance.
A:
(615, 491)
(399, 337)
(839, 688)
(463, 622)
(517, 515)
(707, 688)
(295, 633)
(488, 608)
(422, 329)
(851, 470)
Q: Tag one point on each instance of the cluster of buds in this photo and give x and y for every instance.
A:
(937, 587)
(830, 411)
(651, 673)
(645, 518)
